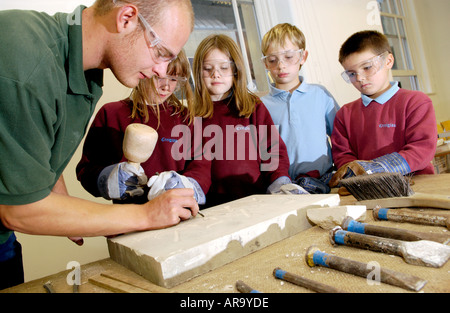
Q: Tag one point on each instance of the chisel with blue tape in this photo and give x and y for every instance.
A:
(315, 257)
(351, 225)
(414, 217)
(304, 282)
(422, 252)
(244, 288)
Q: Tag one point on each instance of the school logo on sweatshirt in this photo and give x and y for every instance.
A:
(170, 140)
(388, 125)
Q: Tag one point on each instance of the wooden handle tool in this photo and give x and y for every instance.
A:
(391, 190)
(315, 257)
(351, 225)
(304, 282)
(423, 252)
(421, 200)
(48, 286)
(244, 288)
(408, 216)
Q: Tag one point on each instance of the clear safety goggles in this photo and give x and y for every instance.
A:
(288, 57)
(172, 82)
(160, 52)
(366, 68)
(224, 69)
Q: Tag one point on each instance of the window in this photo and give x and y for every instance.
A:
(394, 27)
(237, 19)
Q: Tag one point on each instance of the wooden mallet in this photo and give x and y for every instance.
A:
(138, 143)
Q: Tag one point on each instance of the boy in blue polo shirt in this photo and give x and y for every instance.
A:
(304, 112)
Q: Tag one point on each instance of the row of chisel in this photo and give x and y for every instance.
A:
(417, 248)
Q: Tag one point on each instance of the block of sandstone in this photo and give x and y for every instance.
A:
(330, 217)
(227, 232)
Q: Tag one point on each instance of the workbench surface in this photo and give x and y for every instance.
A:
(289, 254)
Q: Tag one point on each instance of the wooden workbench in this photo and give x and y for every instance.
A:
(256, 269)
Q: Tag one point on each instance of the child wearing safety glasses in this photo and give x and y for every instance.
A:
(242, 153)
(304, 112)
(388, 129)
(103, 170)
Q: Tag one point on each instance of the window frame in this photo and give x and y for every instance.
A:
(252, 63)
(415, 46)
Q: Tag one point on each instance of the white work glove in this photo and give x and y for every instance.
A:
(283, 185)
(172, 180)
(121, 181)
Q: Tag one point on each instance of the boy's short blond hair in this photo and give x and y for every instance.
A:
(280, 33)
(363, 41)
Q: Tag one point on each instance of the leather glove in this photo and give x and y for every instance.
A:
(350, 169)
(283, 185)
(172, 180)
(389, 163)
(313, 185)
(121, 181)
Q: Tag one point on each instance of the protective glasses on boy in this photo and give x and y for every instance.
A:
(224, 68)
(366, 68)
(159, 51)
(288, 57)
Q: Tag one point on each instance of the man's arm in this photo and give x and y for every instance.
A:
(60, 186)
(63, 215)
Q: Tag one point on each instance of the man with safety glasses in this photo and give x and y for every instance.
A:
(304, 112)
(51, 77)
(388, 129)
